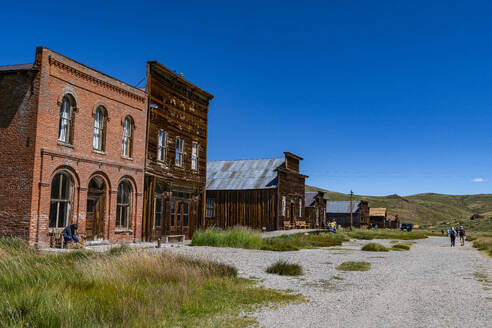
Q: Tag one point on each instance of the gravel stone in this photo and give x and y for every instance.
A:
(432, 285)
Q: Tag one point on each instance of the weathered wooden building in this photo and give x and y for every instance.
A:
(340, 212)
(315, 204)
(392, 222)
(259, 193)
(176, 154)
(377, 217)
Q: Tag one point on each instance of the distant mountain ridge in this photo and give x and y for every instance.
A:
(425, 208)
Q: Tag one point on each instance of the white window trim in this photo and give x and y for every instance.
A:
(179, 152)
(161, 146)
(194, 155)
(284, 204)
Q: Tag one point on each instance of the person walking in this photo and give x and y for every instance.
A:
(452, 235)
(462, 233)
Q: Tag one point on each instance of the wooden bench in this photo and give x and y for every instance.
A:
(180, 238)
(56, 238)
(288, 225)
(301, 225)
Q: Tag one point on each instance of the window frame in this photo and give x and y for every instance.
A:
(127, 207)
(127, 139)
(100, 129)
(58, 201)
(68, 127)
(284, 205)
(161, 145)
(210, 207)
(178, 160)
(194, 155)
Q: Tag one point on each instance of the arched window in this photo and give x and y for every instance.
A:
(99, 129)
(127, 137)
(66, 116)
(123, 205)
(61, 200)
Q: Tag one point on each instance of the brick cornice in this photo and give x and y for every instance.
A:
(52, 153)
(95, 80)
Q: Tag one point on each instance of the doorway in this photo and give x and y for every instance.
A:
(96, 201)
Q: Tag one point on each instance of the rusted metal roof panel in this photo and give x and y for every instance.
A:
(341, 207)
(381, 211)
(243, 174)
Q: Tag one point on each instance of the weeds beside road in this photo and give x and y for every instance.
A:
(123, 288)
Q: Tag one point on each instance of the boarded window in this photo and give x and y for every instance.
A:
(194, 156)
(127, 137)
(179, 151)
(161, 146)
(210, 208)
(65, 126)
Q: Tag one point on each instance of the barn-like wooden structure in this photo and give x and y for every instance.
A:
(315, 204)
(340, 212)
(377, 217)
(258, 193)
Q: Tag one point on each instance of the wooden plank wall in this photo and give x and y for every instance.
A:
(251, 208)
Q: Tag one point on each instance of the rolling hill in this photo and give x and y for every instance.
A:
(424, 209)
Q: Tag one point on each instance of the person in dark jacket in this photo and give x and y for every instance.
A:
(452, 235)
(70, 233)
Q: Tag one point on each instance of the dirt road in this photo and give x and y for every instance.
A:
(432, 285)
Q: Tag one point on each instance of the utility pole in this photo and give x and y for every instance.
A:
(351, 210)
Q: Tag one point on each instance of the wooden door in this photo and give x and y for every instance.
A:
(90, 217)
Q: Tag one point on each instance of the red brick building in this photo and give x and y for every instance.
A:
(72, 150)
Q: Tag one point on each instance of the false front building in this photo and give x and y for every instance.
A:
(259, 193)
(176, 154)
(315, 209)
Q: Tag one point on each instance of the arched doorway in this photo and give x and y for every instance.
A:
(96, 201)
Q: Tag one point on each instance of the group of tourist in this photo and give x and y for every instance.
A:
(453, 232)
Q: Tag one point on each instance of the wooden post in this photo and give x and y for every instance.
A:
(351, 210)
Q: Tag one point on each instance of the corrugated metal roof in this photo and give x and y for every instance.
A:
(309, 198)
(341, 207)
(19, 67)
(243, 174)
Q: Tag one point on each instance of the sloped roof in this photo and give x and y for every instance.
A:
(243, 174)
(341, 207)
(20, 67)
(377, 211)
(309, 198)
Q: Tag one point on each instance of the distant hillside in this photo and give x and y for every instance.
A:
(424, 209)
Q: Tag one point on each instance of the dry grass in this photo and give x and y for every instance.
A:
(481, 241)
(374, 247)
(123, 288)
(284, 268)
(354, 266)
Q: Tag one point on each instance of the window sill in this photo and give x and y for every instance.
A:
(127, 158)
(100, 152)
(128, 231)
(64, 144)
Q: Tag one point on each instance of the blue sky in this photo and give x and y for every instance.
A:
(380, 97)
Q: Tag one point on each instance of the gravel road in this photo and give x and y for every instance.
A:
(432, 285)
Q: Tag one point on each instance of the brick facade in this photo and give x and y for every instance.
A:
(32, 154)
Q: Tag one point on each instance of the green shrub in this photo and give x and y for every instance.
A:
(284, 268)
(354, 266)
(302, 241)
(237, 238)
(374, 247)
(386, 234)
(400, 247)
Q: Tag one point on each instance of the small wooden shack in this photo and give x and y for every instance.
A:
(259, 193)
(315, 204)
(392, 222)
(340, 212)
(377, 217)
